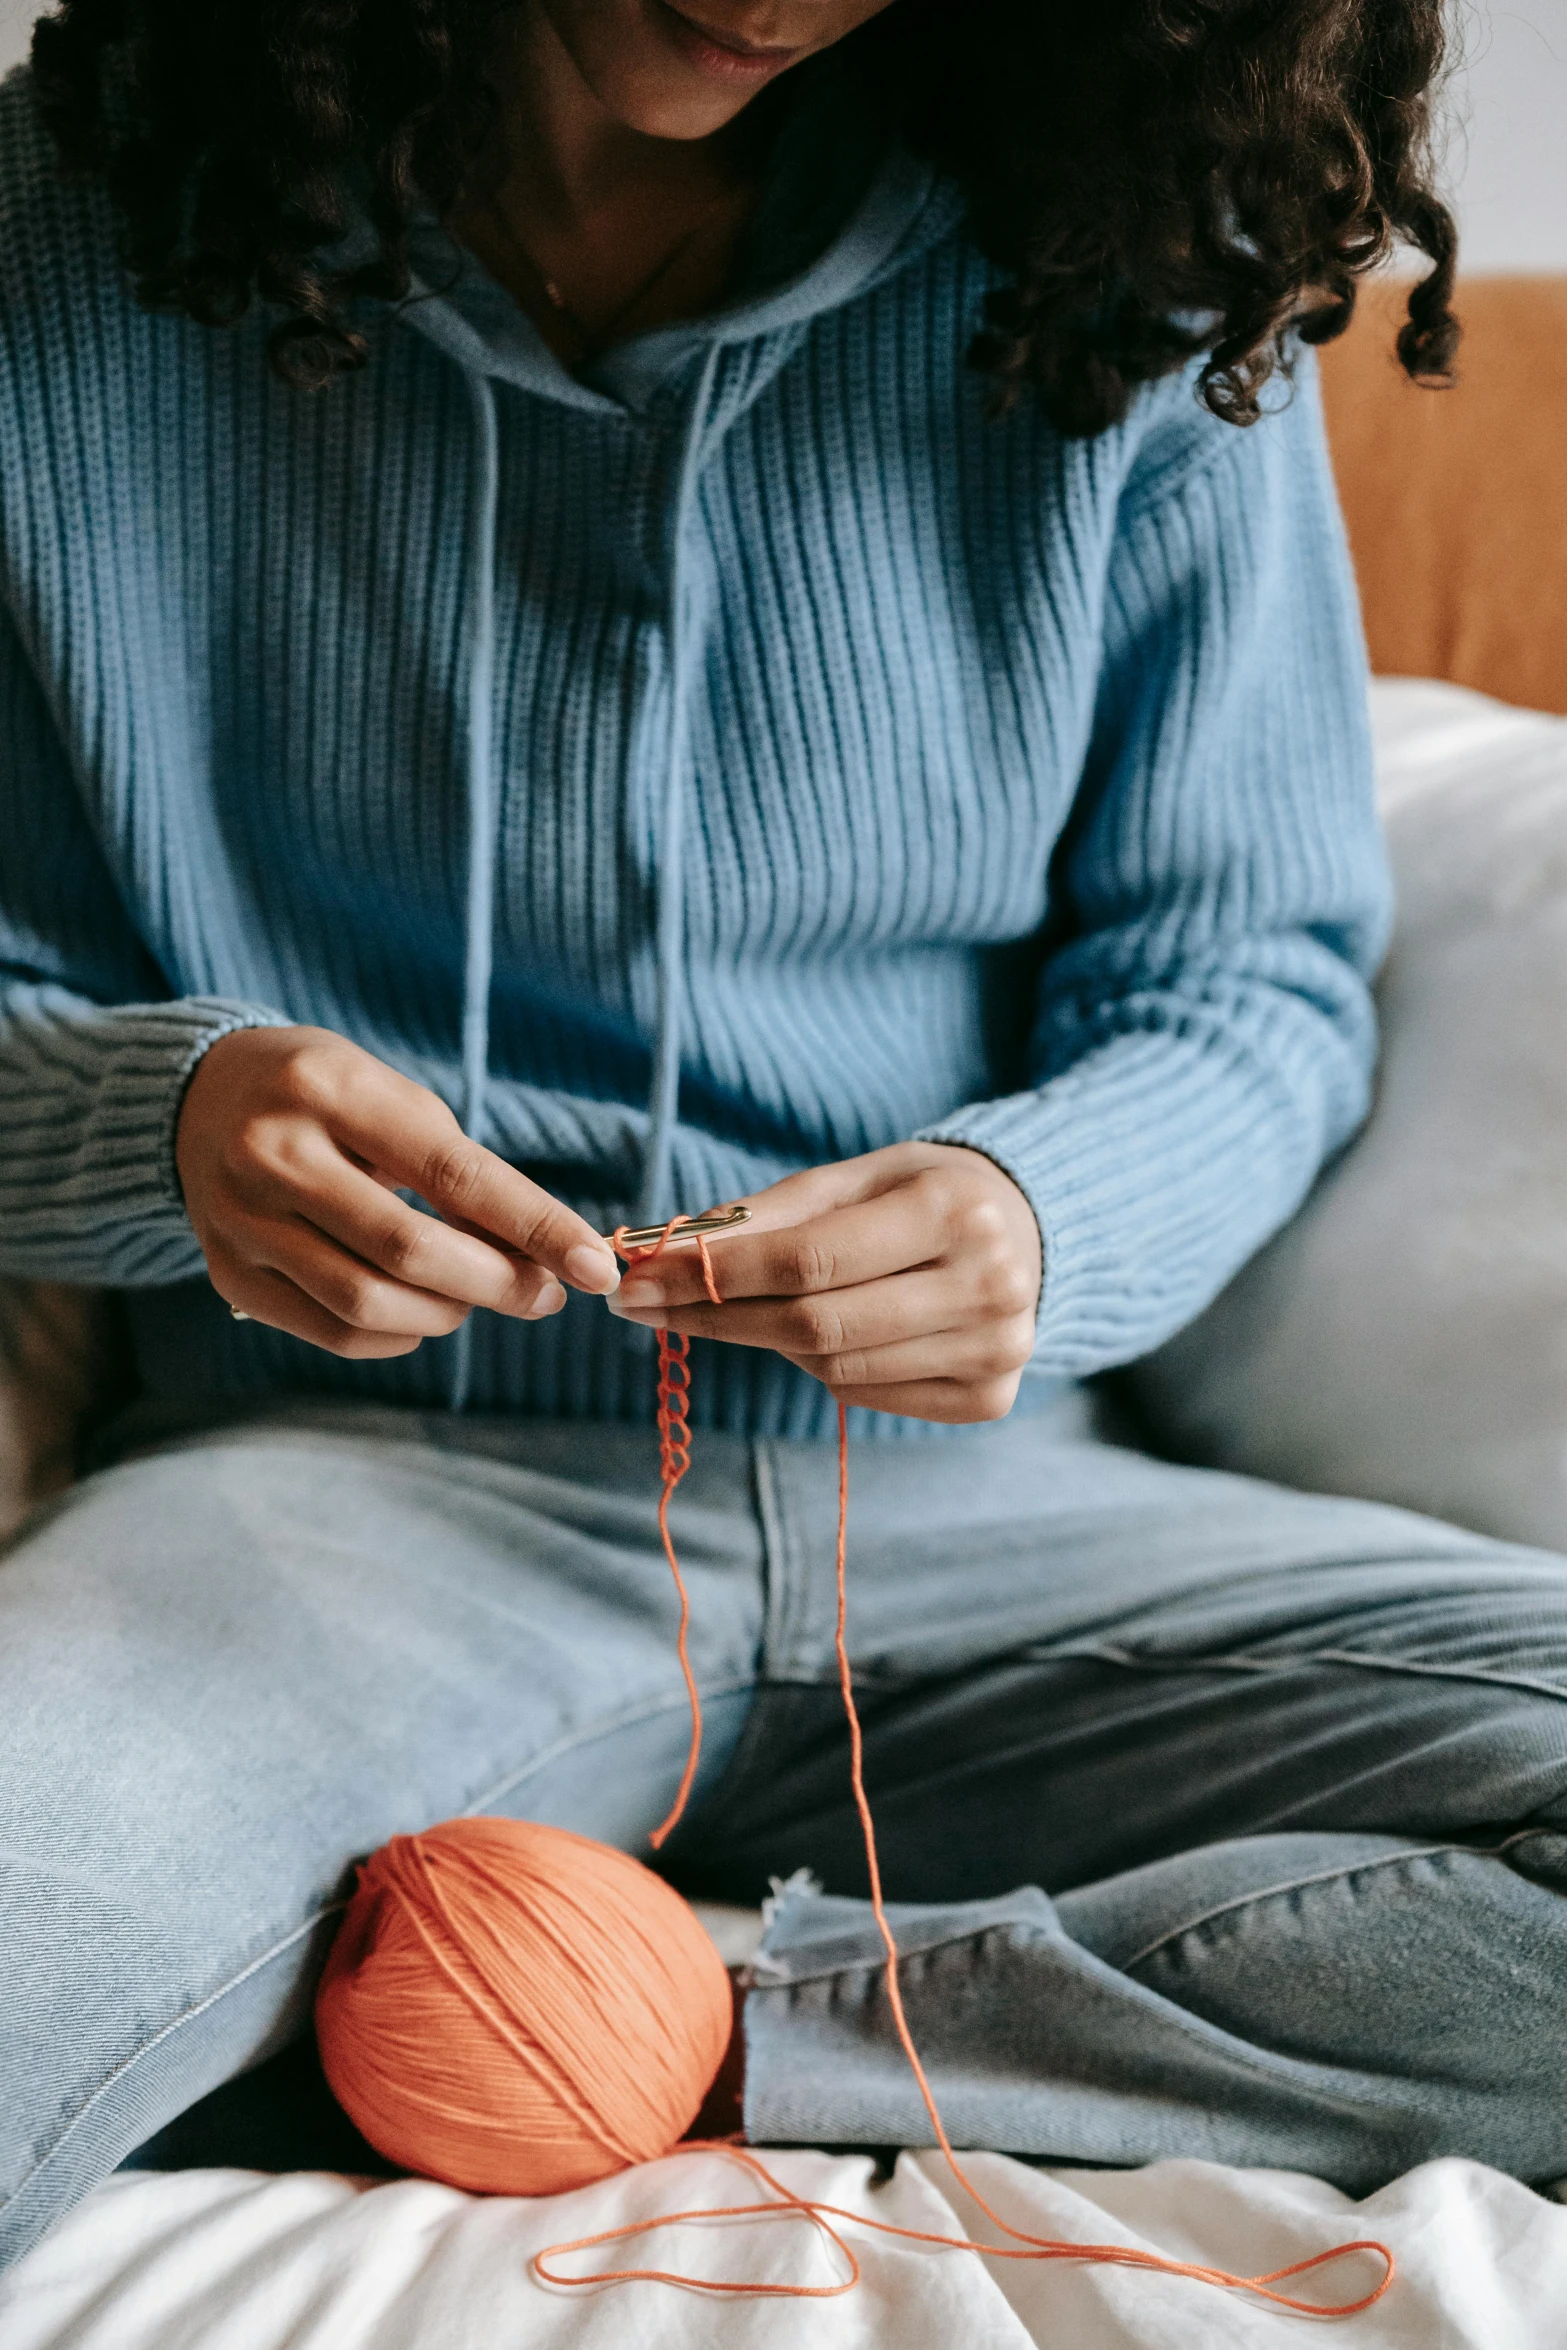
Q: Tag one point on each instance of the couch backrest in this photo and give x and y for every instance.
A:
(1457, 500)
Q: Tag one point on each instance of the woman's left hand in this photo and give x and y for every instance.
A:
(907, 1280)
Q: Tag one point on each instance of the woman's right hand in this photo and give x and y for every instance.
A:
(292, 1145)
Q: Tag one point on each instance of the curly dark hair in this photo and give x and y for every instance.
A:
(1156, 178)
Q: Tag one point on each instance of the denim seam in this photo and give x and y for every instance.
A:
(327, 1909)
(175, 2024)
(1355, 1868)
(778, 1632)
(1240, 1662)
(600, 1729)
(1481, 1673)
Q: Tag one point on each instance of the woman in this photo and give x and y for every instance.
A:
(747, 604)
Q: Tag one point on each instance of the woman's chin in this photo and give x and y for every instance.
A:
(651, 69)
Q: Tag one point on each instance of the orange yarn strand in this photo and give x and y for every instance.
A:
(675, 1458)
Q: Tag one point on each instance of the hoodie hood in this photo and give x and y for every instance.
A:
(843, 207)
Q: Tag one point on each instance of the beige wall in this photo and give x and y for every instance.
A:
(1508, 146)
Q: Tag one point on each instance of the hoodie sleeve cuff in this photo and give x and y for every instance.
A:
(1153, 1170)
(89, 1189)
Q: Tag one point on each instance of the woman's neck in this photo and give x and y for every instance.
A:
(598, 230)
(570, 158)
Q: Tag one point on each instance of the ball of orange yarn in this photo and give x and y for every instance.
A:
(517, 2010)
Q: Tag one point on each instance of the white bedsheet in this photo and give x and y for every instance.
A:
(234, 2260)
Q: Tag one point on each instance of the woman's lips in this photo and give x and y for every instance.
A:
(718, 56)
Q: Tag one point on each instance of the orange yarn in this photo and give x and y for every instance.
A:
(518, 2010)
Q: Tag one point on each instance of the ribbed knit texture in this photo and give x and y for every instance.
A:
(1028, 801)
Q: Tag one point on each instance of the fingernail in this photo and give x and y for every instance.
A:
(635, 1294)
(593, 1268)
(549, 1301)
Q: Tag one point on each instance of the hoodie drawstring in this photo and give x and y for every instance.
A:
(653, 1205)
(483, 811)
(482, 806)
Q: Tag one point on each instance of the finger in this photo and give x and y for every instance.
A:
(995, 1350)
(794, 1199)
(865, 1241)
(482, 1193)
(951, 1402)
(812, 1191)
(420, 1251)
(354, 1292)
(270, 1297)
(424, 1150)
(874, 1314)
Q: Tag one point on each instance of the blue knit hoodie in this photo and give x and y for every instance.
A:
(747, 755)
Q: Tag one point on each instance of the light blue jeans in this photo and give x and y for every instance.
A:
(1223, 1820)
